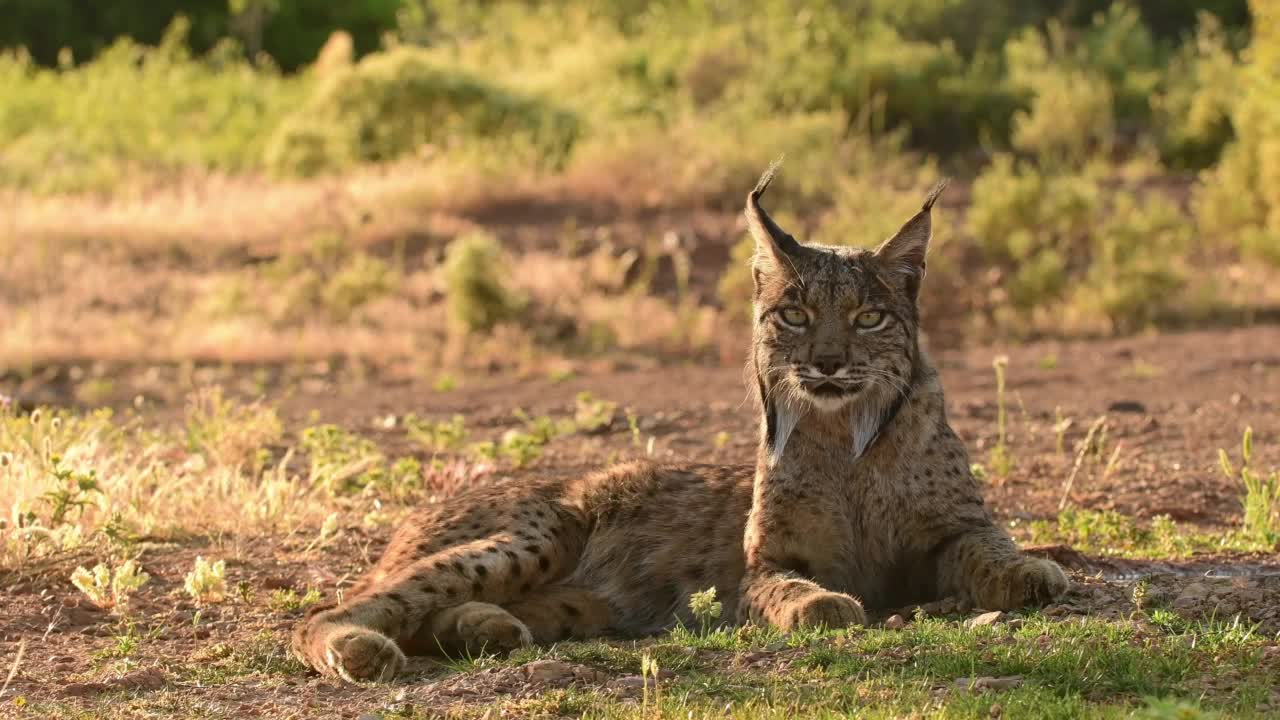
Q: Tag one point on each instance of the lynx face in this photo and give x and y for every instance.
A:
(835, 327)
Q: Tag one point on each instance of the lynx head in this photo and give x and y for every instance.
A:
(835, 328)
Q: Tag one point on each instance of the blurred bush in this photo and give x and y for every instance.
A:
(391, 104)
(1065, 247)
(476, 279)
(136, 108)
(1238, 202)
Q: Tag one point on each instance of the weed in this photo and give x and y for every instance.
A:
(1001, 460)
(73, 490)
(227, 432)
(649, 674)
(1061, 424)
(1089, 446)
(107, 588)
(705, 608)
(1261, 502)
(206, 583)
(126, 643)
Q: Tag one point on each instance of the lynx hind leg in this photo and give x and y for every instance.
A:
(564, 611)
(985, 567)
(471, 629)
(792, 603)
(364, 638)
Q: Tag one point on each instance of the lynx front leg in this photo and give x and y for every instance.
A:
(985, 567)
(777, 589)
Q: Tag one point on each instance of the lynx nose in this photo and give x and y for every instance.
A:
(828, 364)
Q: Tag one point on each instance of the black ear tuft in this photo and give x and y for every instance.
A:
(935, 193)
(770, 239)
(906, 251)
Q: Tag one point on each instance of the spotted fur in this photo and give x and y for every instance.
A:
(860, 493)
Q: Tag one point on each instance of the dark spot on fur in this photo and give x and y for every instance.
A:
(525, 588)
(570, 610)
(480, 570)
(544, 563)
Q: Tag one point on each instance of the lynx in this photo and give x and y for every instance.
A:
(861, 496)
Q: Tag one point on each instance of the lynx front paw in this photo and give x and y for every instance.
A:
(359, 655)
(824, 609)
(1031, 581)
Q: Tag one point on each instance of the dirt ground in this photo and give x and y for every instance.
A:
(1170, 402)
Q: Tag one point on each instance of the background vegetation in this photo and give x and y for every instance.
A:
(1106, 150)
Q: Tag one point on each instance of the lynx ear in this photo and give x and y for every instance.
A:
(774, 247)
(905, 252)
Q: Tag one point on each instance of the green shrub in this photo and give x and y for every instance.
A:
(391, 104)
(1193, 112)
(154, 109)
(1061, 243)
(475, 277)
(1238, 205)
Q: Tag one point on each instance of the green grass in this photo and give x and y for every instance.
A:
(1107, 532)
(1069, 668)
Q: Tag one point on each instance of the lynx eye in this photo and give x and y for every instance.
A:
(794, 316)
(870, 319)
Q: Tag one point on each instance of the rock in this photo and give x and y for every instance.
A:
(1127, 406)
(547, 671)
(1192, 595)
(986, 618)
(629, 685)
(982, 684)
(895, 622)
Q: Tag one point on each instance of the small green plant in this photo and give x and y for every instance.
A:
(290, 600)
(633, 424)
(591, 414)
(108, 589)
(1261, 502)
(73, 490)
(125, 643)
(207, 582)
(1000, 459)
(705, 608)
(343, 462)
(438, 436)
